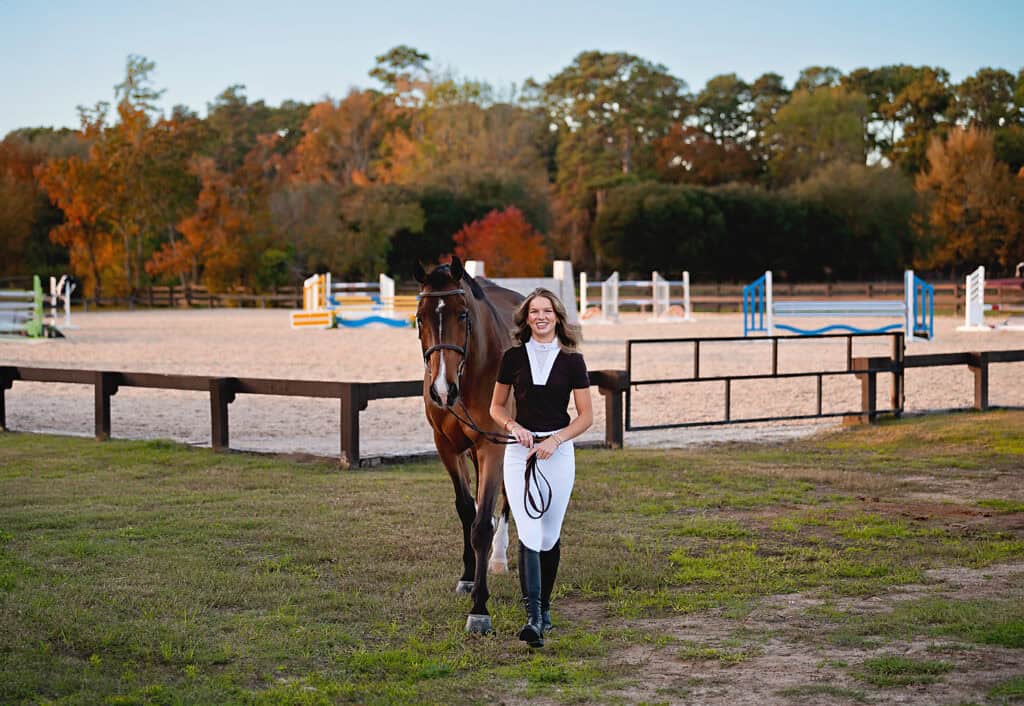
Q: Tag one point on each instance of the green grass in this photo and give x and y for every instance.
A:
(149, 572)
(894, 670)
(1002, 505)
(1008, 692)
(986, 622)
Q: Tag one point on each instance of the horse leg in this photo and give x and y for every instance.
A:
(490, 459)
(499, 548)
(465, 506)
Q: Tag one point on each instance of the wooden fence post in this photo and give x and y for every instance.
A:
(612, 386)
(222, 393)
(979, 366)
(104, 387)
(6, 382)
(353, 401)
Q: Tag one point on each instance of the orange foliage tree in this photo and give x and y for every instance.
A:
(506, 241)
(212, 237)
(973, 206)
(82, 191)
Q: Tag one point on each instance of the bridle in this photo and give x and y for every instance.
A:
(462, 350)
(535, 508)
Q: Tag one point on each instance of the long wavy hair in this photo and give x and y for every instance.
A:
(568, 335)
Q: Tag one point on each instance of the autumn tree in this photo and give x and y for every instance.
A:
(82, 191)
(717, 149)
(507, 242)
(24, 207)
(692, 155)
(341, 141)
(974, 206)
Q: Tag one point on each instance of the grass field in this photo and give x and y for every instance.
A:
(871, 565)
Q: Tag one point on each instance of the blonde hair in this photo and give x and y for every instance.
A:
(568, 335)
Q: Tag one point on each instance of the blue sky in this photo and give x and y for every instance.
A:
(59, 54)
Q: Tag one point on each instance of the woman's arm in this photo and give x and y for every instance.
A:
(500, 415)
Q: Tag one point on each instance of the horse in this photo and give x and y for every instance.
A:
(465, 325)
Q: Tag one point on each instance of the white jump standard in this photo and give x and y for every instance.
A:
(21, 313)
(975, 306)
(914, 313)
(663, 307)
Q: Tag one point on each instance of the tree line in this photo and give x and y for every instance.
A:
(612, 163)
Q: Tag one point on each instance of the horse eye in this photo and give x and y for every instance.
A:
(463, 315)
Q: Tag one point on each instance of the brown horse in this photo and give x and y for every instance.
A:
(465, 325)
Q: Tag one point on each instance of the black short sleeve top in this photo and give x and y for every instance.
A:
(543, 407)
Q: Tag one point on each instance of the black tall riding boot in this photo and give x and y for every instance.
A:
(529, 577)
(548, 571)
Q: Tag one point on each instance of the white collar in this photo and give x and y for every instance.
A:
(541, 369)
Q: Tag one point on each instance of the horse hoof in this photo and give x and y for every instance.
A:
(479, 624)
(498, 567)
(464, 587)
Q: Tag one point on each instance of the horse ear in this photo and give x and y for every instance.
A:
(419, 273)
(457, 270)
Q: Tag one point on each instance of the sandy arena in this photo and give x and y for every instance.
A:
(260, 343)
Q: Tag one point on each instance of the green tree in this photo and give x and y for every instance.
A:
(815, 129)
(607, 110)
(986, 100)
(815, 77)
(874, 207)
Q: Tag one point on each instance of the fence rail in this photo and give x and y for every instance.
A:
(353, 397)
(717, 296)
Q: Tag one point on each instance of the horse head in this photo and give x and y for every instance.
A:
(444, 318)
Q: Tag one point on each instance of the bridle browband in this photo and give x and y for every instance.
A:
(535, 508)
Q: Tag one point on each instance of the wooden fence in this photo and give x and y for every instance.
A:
(353, 397)
(717, 297)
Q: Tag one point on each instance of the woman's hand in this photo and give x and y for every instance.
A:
(544, 449)
(523, 436)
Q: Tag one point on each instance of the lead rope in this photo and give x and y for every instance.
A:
(535, 509)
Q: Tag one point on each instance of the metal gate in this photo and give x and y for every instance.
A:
(894, 365)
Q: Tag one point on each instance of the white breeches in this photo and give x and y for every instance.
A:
(560, 471)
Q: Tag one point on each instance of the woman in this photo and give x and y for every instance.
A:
(541, 467)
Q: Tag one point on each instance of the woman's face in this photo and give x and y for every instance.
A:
(541, 319)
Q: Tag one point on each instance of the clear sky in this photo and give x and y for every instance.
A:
(58, 54)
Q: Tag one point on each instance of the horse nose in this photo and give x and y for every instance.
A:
(453, 393)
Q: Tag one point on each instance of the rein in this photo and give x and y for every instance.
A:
(535, 508)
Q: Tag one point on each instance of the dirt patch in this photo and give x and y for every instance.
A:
(776, 654)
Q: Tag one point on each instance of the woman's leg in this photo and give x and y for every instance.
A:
(548, 571)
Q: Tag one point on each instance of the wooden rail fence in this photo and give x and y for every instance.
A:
(353, 397)
(715, 296)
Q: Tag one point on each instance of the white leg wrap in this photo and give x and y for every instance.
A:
(499, 548)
